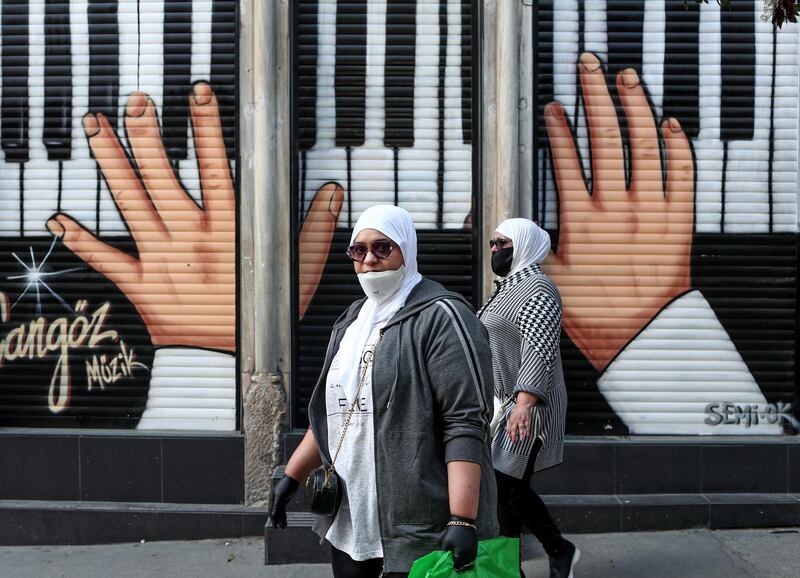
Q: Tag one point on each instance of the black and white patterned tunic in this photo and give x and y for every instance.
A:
(523, 318)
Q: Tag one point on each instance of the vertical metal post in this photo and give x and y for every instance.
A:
(265, 314)
(501, 94)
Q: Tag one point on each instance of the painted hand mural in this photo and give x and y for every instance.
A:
(178, 273)
(624, 249)
(315, 240)
(623, 266)
(188, 249)
(183, 282)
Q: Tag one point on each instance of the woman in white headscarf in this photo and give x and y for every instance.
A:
(523, 318)
(410, 365)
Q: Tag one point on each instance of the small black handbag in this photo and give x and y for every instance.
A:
(324, 487)
(324, 491)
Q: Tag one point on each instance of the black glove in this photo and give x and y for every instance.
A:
(462, 541)
(282, 493)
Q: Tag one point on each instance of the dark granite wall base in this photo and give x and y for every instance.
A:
(124, 467)
(28, 522)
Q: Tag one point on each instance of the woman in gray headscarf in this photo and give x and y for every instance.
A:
(523, 318)
(414, 458)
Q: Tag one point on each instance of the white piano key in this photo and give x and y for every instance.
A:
(40, 188)
(201, 70)
(324, 162)
(109, 220)
(747, 202)
(595, 38)
(78, 180)
(372, 165)
(151, 79)
(418, 165)
(129, 54)
(458, 155)
(10, 190)
(151, 49)
(565, 89)
(708, 146)
(652, 72)
(785, 198)
(201, 39)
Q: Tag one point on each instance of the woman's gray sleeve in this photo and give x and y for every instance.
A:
(459, 369)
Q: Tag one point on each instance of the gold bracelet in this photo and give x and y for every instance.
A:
(460, 523)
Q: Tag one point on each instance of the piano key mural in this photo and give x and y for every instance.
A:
(667, 174)
(384, 108)
(117, 214)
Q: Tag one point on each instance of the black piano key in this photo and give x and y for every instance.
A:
(177, 77)
(401, 31)
(738, 72)
(682, 65)
(442, 103)
(57, 129)
(350, 73)
(466, 71)
(223, 67)
(544, 66)
(14, 109)
(104, 59)
(625, 26)
(543, 93)
(581, 49)
(307, 48)
(772, 127)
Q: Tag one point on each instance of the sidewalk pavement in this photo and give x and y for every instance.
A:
(682, 554)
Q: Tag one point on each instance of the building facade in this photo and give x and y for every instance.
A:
(179, 180)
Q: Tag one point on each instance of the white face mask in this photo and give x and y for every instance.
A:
(380, 285)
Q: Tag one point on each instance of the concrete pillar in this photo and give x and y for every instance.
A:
(265, 221)
(507, 167)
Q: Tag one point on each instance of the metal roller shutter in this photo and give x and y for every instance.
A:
(677, 262)
(383, 114)
(117, 254)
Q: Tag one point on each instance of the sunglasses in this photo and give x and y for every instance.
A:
(358, 251)
(500, 243)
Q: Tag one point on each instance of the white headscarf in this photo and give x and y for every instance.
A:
(397, 225)
(531, 242)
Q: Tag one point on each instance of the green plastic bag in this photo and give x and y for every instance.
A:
(497, 558)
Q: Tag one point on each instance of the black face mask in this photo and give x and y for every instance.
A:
(501, 261)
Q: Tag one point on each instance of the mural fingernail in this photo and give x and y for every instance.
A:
(91, 125)
(674, 125)
(590, 62)
(629, 78)
(555, 110)
(55, 228)
(202, 93)
(137, 104)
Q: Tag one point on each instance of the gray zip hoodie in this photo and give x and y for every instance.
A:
(432, 391)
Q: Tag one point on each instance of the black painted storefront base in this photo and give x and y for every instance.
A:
(634, 484)
(31, 522)
(94, 487)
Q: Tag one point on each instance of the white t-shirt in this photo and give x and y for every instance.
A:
(356, 529)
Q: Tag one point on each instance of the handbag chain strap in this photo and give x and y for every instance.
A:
(367, 364)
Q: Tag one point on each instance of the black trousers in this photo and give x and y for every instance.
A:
(345, 567)
(518, 505)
